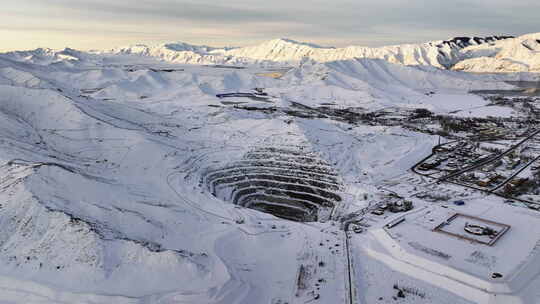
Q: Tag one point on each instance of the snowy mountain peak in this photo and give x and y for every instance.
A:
(520, 54)
(168, 47)
(178, 46)
(291, 42)
(463, 42)
(45, 56)
(182, 47)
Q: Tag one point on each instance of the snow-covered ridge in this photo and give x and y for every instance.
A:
(45, 56)
(441, 54)
(177, 52)
(437, 53)
(521, 54)
(472, 54)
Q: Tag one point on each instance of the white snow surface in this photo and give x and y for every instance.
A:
(521, 54)
(102, 155)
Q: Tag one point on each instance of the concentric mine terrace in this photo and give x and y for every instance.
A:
(288, 182)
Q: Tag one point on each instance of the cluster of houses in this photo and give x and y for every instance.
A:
(490, 130)
(513, 184)
(450, 157)
(482, 179)
(481, 165)
(496, 172)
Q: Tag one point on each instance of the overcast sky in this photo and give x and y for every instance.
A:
(99, 24)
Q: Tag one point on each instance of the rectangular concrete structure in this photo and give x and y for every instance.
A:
(454, 226)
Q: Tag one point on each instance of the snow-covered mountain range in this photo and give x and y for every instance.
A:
(472, 54)
(437, 53)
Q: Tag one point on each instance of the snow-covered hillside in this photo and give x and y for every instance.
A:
(521, 54)
(190, 174)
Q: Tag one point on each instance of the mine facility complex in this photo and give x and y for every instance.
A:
(504, 167)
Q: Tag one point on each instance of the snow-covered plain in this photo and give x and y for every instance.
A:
(103, 157)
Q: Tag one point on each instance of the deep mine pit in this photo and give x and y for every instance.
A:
(289, 183)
